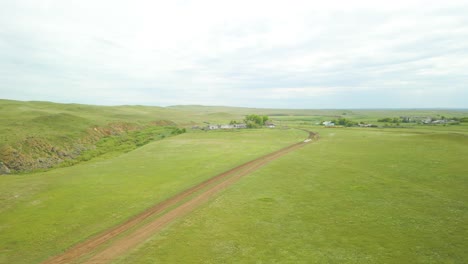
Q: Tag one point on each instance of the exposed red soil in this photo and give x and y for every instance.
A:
(206, 190)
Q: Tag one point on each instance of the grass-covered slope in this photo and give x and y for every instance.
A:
(355, 196)
(35, 135)
(42, 214)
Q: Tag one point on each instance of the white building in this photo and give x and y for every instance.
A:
(328, 123)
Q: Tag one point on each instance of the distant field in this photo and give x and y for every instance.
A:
(42, 214)
(59, 122)
(355, 196)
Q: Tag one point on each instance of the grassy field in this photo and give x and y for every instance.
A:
(358, 195)
(42, 214)
(355, 196)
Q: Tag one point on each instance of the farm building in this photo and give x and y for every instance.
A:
(365, 125)
(240, 126)
(328, 123)
(225, 126)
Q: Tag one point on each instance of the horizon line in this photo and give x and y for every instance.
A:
(231, 106)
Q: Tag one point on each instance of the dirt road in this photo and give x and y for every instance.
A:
(118, 240)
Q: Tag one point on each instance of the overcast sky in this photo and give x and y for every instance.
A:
(281, 54)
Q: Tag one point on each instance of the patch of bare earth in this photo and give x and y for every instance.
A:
(110, 244)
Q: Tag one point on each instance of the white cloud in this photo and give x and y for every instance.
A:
(237, 52)
(286, 93)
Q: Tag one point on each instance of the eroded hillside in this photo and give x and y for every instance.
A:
(40, 135)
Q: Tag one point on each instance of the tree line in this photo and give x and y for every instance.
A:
(253, 121)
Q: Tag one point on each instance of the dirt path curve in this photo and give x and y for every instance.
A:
(206, 190)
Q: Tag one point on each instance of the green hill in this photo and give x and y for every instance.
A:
(39, 135)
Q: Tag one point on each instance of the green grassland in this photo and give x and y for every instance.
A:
(355, 196)
(358, 195)
(42, 214)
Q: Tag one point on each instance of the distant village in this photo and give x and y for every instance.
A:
(420, 120)
(230, 126)
(254, 121)
(332, 124)
(250, 121)
(396, 120)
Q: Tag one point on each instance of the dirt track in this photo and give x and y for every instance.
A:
(181, 207)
